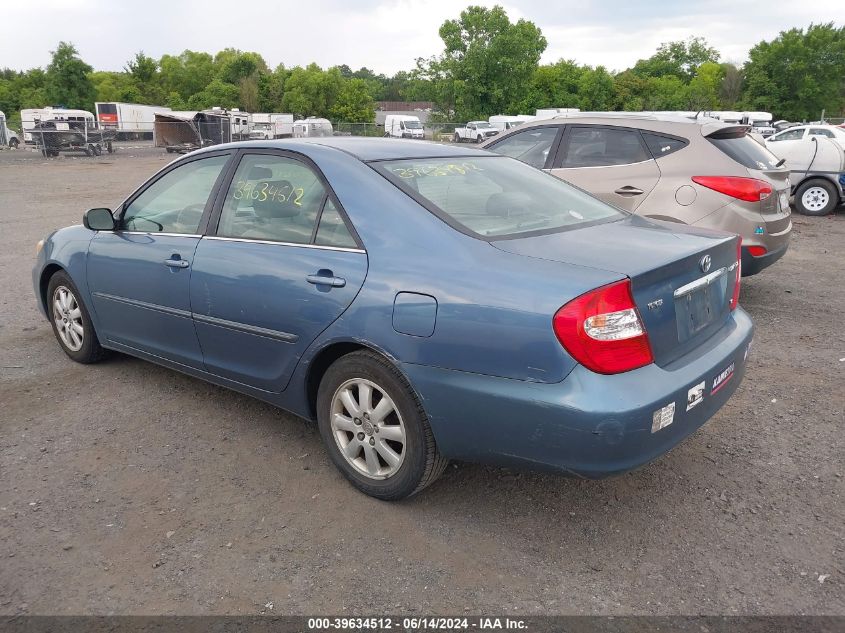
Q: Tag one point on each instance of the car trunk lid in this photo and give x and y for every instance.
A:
(682, 278)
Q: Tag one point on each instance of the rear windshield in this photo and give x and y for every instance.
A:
(496, 196)
(746, 151)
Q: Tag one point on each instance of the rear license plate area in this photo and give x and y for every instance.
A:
(697, 309)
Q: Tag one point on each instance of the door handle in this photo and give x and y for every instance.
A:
(326, 278)
(176, 262)
(628, 190)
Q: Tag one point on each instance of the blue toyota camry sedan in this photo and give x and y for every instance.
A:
(420, 302)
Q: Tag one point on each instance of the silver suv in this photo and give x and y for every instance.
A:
(702, 172)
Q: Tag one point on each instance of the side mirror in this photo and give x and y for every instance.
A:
(98, 220)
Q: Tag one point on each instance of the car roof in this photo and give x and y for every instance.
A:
(363, 148)
(658, 120)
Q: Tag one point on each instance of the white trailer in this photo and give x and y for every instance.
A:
(129, 120)
(7, 136)
(506, 122)
(312, 126)
(549, 113)
(33, 116)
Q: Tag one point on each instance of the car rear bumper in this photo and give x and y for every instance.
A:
(588, 425)
(752, 265)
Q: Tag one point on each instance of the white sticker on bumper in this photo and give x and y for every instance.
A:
(695, 396)
(663, 417)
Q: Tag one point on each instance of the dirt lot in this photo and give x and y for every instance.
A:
(128, 488)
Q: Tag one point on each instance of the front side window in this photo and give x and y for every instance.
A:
(280, 199)
(175, 202)
(789, 135)
(531, 146)
(496, 196)
(599, 147)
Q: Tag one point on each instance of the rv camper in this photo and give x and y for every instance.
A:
(312, 126)
(128, 120)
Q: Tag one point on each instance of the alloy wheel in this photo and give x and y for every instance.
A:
(68, 318)
(368, 428)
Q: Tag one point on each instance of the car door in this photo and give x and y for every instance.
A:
(283, 264)
(612, 163)
(534, 145)
(139, 274)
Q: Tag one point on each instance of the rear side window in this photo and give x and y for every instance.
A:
(598, 147)
(815, 131)
(746, 151)
(660, 145)
(531, 146)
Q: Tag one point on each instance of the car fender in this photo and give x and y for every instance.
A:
(67, 249)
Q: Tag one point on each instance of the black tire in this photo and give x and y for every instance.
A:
(816, 209)
(14, 143)
(456, 138)
(422, 463)
(98, 150)
(109, 148)
(89, 150)
(479, 139)
(90, 350)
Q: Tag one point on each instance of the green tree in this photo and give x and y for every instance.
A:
(311, 91)
(271, 89)
(216, 94)
(551, 85)
(730, 90)
(66, 80)
(487, 63)
(799, 73)
(680, 58)
(354, 103)
(142, 71)
(186, 74)
(703, 89)
(595, 89)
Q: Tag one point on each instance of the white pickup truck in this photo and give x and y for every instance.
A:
(474, 132)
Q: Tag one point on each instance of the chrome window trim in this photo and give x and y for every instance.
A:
(701, 282)
(163, 233)
(639, 162)
(220, 238)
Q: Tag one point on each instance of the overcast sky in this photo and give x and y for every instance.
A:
(384, 35)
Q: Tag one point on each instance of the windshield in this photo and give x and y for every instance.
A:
(496, 195)
(746, 151)
(413, 125)
(483, 124)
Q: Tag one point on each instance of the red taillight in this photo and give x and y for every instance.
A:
(735, 297)
(757, 251)
(748, 189)
(603, 331)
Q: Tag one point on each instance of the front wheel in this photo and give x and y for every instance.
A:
(14, 143)
(375, 429)
(816, 197)
(479, 139)
(71, 321)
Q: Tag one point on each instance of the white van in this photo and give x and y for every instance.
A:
(504, 122)
(403, 126)
(312, 126)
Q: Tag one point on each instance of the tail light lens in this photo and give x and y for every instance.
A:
(735, 297)
(748, 189)
(603, 331)
(757, 251)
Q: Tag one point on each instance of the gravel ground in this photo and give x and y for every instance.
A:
(132, 489)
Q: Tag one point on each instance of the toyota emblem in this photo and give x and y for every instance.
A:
(705, 263)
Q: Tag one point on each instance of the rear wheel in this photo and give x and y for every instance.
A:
(816, 197)
(89, 150)
(375, 429)
(71, 321)
(456, 138)
(97, 150)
